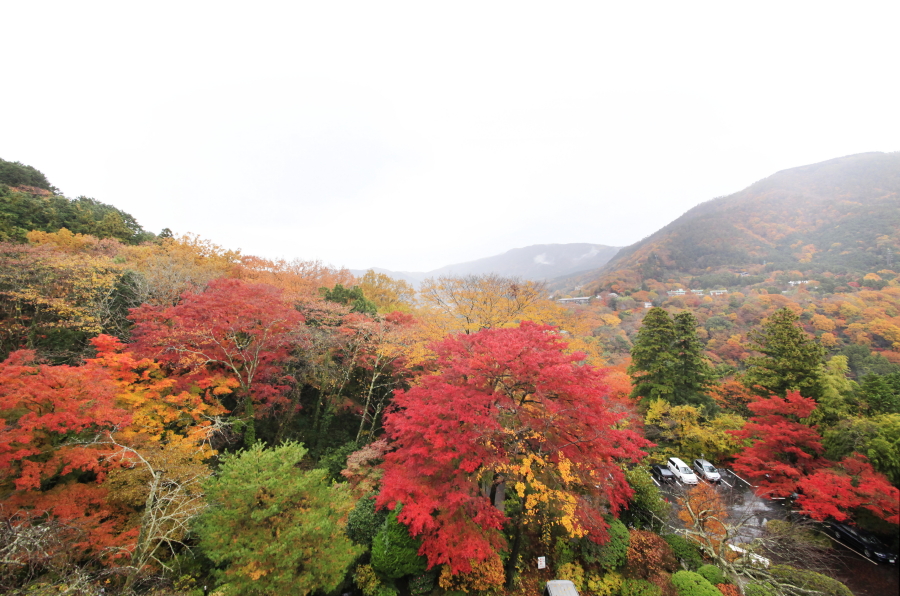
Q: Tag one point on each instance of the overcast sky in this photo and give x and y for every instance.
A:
(412, 136)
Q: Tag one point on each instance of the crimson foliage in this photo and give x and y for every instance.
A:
(504, 407)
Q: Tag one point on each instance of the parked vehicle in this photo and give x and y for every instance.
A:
(560, 587)
(662, 474)
(861, 541)
(707, 471)
(681, 471)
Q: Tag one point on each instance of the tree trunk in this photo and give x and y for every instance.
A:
(514, 554)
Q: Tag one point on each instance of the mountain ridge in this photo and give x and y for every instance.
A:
(536, 262)
(840, 215)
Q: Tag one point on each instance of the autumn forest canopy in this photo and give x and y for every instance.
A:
(177, 417)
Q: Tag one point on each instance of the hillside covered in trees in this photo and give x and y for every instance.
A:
(180, 418)
(833, 222)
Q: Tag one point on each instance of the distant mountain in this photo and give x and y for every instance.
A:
(537, 262)
(839, 217)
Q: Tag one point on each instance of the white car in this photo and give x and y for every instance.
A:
(681, 471)
(707, 471)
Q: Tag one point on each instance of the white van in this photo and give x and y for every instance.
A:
(681, 471)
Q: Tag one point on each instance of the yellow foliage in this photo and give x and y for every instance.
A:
(485, 575)
(387, 293)
(681, 429)
(177, 265)
(60, 289)
(63, 240)
(572, 572)
(828, 340)
(607, 584)
(822, 323)
(477, 302)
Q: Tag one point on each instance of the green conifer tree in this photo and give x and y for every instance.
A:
(394, 552)
(790, 360)
(275, 527)
(653, 361)
(667, 361)
(693, 374)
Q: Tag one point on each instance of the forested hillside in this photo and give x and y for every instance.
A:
(837, 220)
(29, 202)
(180, 418)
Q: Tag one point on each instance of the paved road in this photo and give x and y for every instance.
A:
(862, 576)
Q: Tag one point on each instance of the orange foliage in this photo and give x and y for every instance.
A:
(485, 575)
(300, 280)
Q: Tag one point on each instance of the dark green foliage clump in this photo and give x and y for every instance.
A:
(639, 587)
(22, 212)
(809, 580)
(352, 297)
(881, 393)
(685, 550)
(863, 361)
(667, 361)
(791, 360)
(334, 459)
(759, 589)
(394, 552)
(688, 583)
(364, 521)
(647, 506)
(713, 574)
(613, 553)
(15, 173)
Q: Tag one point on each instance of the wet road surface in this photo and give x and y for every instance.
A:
(863, 577)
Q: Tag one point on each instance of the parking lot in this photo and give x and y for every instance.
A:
(863, 576)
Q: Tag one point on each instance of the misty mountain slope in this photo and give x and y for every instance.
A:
(536, 262)
(841, 215)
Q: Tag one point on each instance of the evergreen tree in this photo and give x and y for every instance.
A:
(693, 374)
(667, 361)
(881, 393)
(394, 552)
(352, 297)
(274, 526)
(653, 362)
(790, 360)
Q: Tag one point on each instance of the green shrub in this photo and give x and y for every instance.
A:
(713, 574)
(608, 584)
(364, 521)
(688, 583)
(565, 550)
(647, 504)
(686, 551)
(572, 572)
(810, 580)
(639, 587)
(394, 551)
(612, 554)
(334, 459)
(759, 589)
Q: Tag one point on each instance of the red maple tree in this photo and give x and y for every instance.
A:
(504, 412)
(785, 459)
(50, 417)
(784, 449)
(233, 327)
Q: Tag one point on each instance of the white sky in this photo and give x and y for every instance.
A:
(411, 136)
